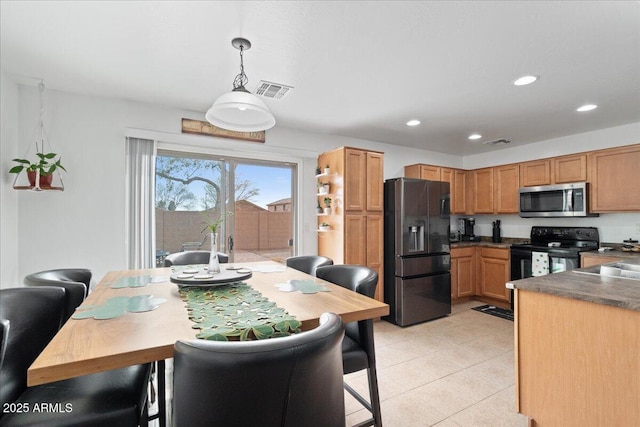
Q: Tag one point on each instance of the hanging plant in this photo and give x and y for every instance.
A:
(45, 166)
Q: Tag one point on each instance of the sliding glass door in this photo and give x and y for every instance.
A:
(256, 199)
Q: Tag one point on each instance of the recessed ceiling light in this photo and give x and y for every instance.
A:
(587, 107)
(525, 80)
(475, 136)
(413, 122)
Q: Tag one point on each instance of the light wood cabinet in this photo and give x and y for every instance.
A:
(506, 184)
(535, 173)
(463, 272)
(576, 362)
(482, 181)
(614, 177)
(494, 273)
(459, 192)
(587, 260)
(356, 220)
(421, 171)
(569, 169)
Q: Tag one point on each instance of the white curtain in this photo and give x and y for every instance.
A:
(140, 200)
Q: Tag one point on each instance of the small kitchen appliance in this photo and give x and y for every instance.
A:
(465, 228)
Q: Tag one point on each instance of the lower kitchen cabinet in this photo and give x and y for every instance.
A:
(494, 273)
(463, 272)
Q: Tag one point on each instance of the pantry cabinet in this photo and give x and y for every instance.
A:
(356, 218)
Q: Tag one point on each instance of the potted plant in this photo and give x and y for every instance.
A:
(327, 205)
(327, 170)
(319, 208)
(323, 188)
(324, 226)
(45, 167)
(318, 171)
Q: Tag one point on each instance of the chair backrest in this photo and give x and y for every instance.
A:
(4, 331)
(285, 382)
(34, 316)
(76, 281)
(192, 257)
(308, 263)
(362, 280)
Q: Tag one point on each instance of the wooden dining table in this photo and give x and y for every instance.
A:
(87, 346)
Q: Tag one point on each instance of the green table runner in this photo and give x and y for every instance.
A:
(236, 311)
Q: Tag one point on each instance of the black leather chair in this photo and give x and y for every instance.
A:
(285, 382)
(76, 282)
(308, 263)
(108, 398)
(358, 351)
(192, 257)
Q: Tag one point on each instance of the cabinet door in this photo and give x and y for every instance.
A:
(375, 182)
(507, 182)
(570, 169)
(535, 173)
(355, 238)
(483, 190)
(431, 173)
(494, 273)
(614, 179)
(355, 180)
(588, 261)
(459, 192)
(463, 275)
(375, 249)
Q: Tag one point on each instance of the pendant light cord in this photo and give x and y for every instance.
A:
(241, 79)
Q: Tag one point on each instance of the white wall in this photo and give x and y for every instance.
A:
(84, 226)
(9, 121)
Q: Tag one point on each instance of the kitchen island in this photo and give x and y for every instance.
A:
(577, 349)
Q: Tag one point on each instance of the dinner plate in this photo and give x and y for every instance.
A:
(205, 279)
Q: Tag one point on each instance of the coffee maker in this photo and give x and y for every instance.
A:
(465, 229)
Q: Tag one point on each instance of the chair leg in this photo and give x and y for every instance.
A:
(373, 405)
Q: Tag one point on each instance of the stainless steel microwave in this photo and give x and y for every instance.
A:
(562, 200)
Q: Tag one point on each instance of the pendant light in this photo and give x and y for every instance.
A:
(240, 110)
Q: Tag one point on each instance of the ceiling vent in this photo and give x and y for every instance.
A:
(497, 142)
(272, 90)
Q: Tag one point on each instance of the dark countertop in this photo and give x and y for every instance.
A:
(617, 292)
(486, 242)
(613, 254)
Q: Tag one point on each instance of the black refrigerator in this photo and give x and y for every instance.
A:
(417, 262)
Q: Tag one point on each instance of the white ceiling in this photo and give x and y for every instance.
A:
(360, 69)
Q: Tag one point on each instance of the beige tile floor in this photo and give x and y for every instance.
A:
(453, 371)
(456, 371)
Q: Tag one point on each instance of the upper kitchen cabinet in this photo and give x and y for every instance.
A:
(569, 169)
(506, 184)
(613, 175)
(455, 177)
(482, 183)
(537, 172)
(420, 171)
(363, 180)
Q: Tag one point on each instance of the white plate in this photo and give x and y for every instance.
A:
(203, 276)
(184, 276)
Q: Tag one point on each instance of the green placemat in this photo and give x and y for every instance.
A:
(236, 312)
(118, 306)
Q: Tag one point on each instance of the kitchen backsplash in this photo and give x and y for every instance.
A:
(613, 228)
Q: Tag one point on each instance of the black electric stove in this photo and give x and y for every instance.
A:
(563, 244)
(562, 239)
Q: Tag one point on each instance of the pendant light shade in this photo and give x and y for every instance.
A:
(240, 110)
